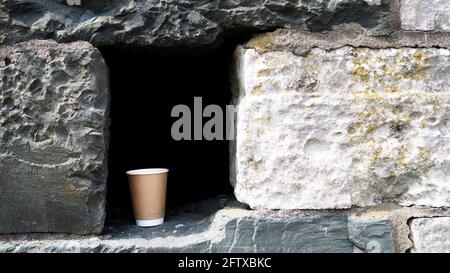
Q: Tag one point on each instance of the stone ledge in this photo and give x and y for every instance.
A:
(221, 225)
(224, 225)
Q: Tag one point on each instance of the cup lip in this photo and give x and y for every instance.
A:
(147, 171)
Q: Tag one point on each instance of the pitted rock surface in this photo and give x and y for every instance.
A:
(351, 126)
(172, 23)
(53, 140)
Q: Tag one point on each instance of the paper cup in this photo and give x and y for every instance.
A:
(148, 194)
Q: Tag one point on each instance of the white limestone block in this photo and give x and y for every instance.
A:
(425, 15)
(342, 128)
(431, 235)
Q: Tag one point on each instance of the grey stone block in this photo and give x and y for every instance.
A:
(177, 22)
(430, 235)
(53, 138)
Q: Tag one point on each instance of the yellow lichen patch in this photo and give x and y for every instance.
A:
(395, 89)
(262, 43)
(362, 73)
(382, 111)
(420, 56)
(425, 154)
(420, 65)
(402, 153)
(264, 72)
(257, 89)
(275, 84)
(383, 73)
(277, 62)
(264, 120)
(376, 154)
(423, 124)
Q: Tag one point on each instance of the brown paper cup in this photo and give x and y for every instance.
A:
(148, 195)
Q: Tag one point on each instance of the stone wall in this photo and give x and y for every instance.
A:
(342, 122)
(344, 119)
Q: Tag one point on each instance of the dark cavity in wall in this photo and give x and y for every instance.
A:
(145, 86)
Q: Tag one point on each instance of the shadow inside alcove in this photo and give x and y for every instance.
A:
(145, 86)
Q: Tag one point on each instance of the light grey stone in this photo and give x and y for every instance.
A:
(372, 236)
(53, 138)
(229, 228)
(172, 23)
(425, 15)
(341, 128)
(430, 235)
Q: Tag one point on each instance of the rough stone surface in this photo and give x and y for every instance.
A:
(224, 226)
(177, 22)
(341, 128)
(300, 42)
(431, 235)
(425, 15)
(370, 235)
(53, 137)
(398, 217)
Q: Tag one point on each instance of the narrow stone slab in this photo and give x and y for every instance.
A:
(342, 127)
(431, 235)
(211, 227)
(425, 15)
(53, 138)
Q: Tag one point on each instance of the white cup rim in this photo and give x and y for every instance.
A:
(147, 171)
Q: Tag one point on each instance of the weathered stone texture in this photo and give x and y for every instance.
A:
(300, 41)
(431, 235)
(425, 15)
(53, 137)
(341, 128)
(371, 236)
(177, 22)
(229, 229)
